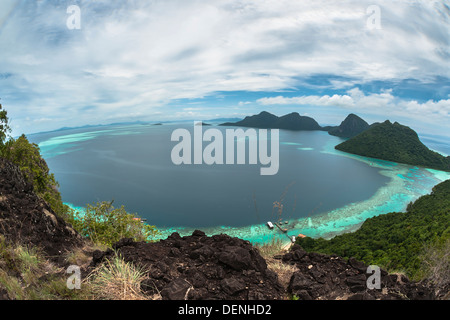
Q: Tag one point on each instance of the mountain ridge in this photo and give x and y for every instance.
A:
(266, 120)
(394, 142)
(350, 127)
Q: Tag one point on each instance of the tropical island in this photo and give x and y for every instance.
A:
(266, 120)
(397, 143)
(350, 127)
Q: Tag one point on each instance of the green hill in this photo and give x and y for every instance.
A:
(395, 240)
(397, 143)
(262, 120)
(266, 120)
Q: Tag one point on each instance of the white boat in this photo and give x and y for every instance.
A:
(270, 224)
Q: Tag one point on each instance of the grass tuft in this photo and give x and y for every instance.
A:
(117, 280)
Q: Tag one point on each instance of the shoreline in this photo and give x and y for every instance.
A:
(406, 183)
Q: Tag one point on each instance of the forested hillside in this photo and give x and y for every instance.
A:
(396, 240)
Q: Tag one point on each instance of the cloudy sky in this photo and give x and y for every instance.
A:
(188, 59)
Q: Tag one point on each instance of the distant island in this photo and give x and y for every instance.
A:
(266, 120)
(350, 127)
(201, 123)
(394, 142)
(126, 123)
(385, 141)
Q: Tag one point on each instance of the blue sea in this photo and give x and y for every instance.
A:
(317, 191)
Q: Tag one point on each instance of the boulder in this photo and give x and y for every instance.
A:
(199, 267)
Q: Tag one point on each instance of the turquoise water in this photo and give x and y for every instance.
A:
(407, 183)
(325, 192)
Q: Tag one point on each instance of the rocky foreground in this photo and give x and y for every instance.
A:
(199, 267)
(321, 276)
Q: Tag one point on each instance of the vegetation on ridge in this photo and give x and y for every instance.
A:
(27, 157)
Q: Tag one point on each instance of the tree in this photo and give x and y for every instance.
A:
(4, 126)
(106, 225)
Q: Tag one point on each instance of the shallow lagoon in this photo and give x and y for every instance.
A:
(324, 192)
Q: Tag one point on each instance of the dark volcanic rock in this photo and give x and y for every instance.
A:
(199, 267)
(232, 285)
(176, 290)
(27, 219)
(221, 267)
(235, 257)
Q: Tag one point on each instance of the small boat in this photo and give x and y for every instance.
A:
(270, 224)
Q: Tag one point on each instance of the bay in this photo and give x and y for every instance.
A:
(131, 164)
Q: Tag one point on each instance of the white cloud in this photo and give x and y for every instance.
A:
(326, 100)
(139, 56)
(383, 103)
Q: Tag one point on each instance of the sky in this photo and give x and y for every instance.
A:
(119, 61)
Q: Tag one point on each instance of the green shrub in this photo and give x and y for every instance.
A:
(104, 224)
(116, 279)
